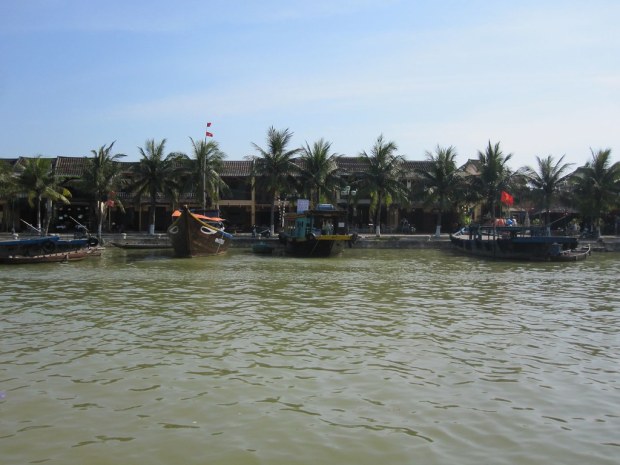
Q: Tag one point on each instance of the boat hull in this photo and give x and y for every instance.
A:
(549, 248)
(192, 237)
(46, 250)
(323, 246)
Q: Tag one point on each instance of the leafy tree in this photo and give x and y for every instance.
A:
(383, 176)
(205, 175)
(8, 189)
(36, 177)
(274, 167)
(597, 186)
(547, 180)
(442, 181)
(319, 171)
(101, 178)
(494, 175)
(156, 174)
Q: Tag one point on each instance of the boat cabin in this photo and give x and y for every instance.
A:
(324, 220)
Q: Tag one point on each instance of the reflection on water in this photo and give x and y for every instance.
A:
(403, 356)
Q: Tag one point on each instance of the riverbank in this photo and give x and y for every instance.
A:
(370, 241)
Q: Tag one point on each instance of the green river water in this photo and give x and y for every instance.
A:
(377, 356)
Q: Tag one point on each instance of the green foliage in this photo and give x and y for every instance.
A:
(36, 177)
(547, 180)
(274, 166)
(494, 177)
(204, 172)
(319, 171)
(383, 175)
(157, 173)
(443, 184)
(596, 186)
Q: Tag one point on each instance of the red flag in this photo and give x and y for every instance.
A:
(209, 134)
(208, 125)
(507, 199)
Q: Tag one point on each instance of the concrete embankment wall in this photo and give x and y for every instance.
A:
(605, 244)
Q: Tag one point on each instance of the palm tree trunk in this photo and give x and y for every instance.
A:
(39, 215)
(378, 217)
(438, 227)
(273, 216)
(152, 222)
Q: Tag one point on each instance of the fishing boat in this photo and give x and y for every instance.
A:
(194, 235)
(142, 242)
(46, 249)
(517, 243)
(319, 232)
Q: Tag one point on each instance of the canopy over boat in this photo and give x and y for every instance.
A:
(177, 213)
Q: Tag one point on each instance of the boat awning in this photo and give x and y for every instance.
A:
(177, 213)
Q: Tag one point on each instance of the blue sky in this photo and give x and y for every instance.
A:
(541, 77)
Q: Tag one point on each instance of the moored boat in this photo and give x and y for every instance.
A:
(46, 249)
(517, 243)
(193, 235)
(319, 232)
(262, 248)
(142, 242)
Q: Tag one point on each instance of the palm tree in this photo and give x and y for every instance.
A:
(8, 190)
(319, 170)
(156, 174)
(547, 180)
(205, 177)
(597, 186)
(100, 179)
(494, 175)
(382, 178)
(441, 180)
(36, 176)
(275, 167)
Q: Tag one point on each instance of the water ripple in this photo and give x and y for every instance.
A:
(395, 356)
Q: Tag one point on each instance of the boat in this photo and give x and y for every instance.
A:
(47, 249)
(262, 248)
(319, 232)
(193, 235)
(531, 243)
(142, 242)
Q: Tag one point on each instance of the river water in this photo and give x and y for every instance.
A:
(377, 356)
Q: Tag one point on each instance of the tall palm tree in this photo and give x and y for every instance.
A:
(275, 167)
(102, 177)
(382, 178)
(205, 175)
(547, 180)
(442, 180)
(597, 186)
(156, 174)
(319, 170)
(8, 190)
(494, 175)
(36, 176)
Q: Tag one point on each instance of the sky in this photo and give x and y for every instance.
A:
(539, 77)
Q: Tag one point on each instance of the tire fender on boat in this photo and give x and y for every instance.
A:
(93, 241)
(48, 247)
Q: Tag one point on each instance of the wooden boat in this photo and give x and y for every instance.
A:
(46, 249)
(517, 243)
(142, 242)
(320, 232)
(194, 235)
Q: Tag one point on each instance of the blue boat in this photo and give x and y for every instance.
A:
(517, 243)
(46, 249)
